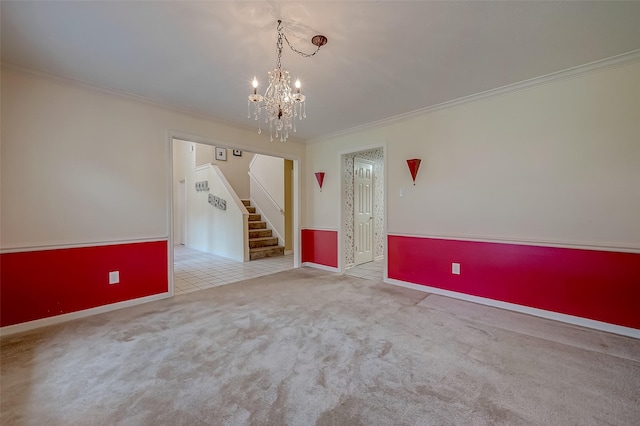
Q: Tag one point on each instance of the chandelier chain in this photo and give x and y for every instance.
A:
(279, 45)
(306, 55)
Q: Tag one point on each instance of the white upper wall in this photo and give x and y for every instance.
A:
(83, 166)
(270, 173)
(234, 168)
(557, 162)
(236, 171)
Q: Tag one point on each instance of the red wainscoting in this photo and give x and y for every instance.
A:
(599, 285)
(320, 246)
(40, 284)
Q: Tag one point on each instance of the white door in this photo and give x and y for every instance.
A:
(363, 210)
(182, 222)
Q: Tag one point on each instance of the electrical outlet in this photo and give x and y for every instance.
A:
(455, 268)
(114, 277)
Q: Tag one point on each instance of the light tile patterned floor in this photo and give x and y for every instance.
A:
(196, 270)
(370, 271)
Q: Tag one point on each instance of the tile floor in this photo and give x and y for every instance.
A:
(196, 270)
(370, 271)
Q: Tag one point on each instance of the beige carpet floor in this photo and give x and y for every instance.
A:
(306, 347)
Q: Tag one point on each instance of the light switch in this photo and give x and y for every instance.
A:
(114, 277)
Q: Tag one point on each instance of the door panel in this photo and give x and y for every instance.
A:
(363, 211)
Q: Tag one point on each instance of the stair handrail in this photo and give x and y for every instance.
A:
(275, 203)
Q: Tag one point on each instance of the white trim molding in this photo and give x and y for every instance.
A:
(81, 245)
(614, 61)
(569, 319)
(527, 242)
(44, 322)
(70, 81)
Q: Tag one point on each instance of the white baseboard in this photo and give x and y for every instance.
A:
(570, 319)
(378, 258)
(288, 252)
(323, 267)
(44, 322)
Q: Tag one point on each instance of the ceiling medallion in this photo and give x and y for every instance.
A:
(280, 104)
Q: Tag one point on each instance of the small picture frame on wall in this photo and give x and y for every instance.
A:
(237, 153)
(221, 153)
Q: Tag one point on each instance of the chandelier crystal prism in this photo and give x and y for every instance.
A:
(280, 105)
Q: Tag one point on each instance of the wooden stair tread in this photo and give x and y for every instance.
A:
(263, 242)
(261, 236)
(260, 233)
(267, 248)
(262, 252)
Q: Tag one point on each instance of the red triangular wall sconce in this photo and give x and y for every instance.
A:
(320, 179)
(414, 165)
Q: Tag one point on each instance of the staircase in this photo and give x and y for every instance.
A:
(261, 242)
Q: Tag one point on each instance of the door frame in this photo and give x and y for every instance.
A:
(182, 211)
(342, 265)
(296, 191)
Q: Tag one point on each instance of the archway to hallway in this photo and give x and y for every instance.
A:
(195, 265)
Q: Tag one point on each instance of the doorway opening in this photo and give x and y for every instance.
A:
(196, 231)
(363, 222)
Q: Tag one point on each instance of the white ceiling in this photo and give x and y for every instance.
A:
(383, 58)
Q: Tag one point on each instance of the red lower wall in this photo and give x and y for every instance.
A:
(599, 285)
(320, 246)
(41, 284)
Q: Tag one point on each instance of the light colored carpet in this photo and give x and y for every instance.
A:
(307, 347)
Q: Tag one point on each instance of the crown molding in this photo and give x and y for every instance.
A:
(612, 62)
(69, 81)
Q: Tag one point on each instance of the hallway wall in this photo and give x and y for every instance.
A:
(235, 168)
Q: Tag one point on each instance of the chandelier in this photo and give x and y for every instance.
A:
(280, 105)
